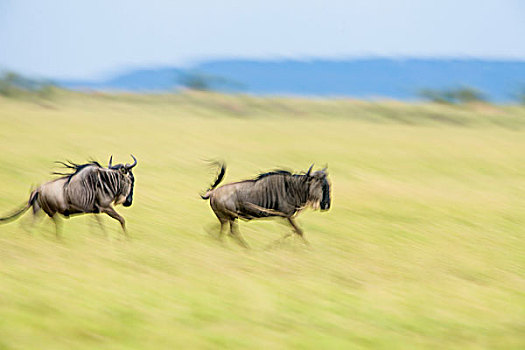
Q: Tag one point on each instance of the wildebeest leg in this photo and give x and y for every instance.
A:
(223, 226)
(29, 224)
(100, 224)
(58, 226)
(111, 212)
(37, 214)
(278, 241)
(297, 230)
(234, 231)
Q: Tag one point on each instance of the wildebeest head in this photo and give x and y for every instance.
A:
(319, 189)
(125, 170)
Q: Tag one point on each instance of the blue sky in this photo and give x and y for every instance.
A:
(90, 39)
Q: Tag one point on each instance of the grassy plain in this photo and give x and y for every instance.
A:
(424, 246)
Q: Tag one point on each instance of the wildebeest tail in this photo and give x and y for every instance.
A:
(217, 181)
(22, 210)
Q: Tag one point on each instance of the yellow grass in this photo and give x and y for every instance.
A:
(423, 248)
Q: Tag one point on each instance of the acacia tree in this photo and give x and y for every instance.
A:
(458, 95)
(207, 82)
(196, 81)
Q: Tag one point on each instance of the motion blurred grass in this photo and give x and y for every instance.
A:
(424, 246)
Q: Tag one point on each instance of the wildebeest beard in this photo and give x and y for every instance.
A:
(325, 202)
(129, 198)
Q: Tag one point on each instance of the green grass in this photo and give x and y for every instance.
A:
(423, 248)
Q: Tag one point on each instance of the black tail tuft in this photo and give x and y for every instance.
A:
(32, 198)
(220, 176)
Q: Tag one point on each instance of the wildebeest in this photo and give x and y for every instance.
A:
(88, 188)
(277, 193)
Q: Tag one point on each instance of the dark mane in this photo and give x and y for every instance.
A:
(75, 168)
(275, 172)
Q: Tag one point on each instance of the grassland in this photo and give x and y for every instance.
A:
(423, 248)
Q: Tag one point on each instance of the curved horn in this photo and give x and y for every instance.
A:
(309, 170)
(110, 159)
(134, 163)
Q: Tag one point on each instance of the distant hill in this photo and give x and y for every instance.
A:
(361, 78)
(159, 79)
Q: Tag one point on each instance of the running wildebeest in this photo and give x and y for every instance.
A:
(89, 188)
(278, 193)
